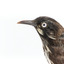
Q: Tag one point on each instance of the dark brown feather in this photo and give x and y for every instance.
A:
(57, 55)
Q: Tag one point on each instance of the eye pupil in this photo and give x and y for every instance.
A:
(43, 24)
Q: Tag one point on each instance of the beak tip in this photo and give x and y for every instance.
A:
(19, 22)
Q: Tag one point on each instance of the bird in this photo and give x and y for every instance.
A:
(51, 33)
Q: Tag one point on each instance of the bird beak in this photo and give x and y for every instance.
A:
(29, 22)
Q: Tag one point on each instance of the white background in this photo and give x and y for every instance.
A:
(21, 44)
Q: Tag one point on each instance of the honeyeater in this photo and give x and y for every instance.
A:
(52, 36)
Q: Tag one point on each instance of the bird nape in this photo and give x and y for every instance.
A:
(52, 36)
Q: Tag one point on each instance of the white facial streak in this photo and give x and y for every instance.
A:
(40, 31)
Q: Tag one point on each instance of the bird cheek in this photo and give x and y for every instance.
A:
(40, 31)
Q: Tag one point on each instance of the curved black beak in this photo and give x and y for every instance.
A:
(28, 22)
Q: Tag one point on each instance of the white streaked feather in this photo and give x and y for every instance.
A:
(51, 37)
(40, 31)
(47, 51)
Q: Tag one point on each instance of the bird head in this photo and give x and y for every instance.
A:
(46, 27)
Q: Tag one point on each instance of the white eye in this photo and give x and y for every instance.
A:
(44, 24)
